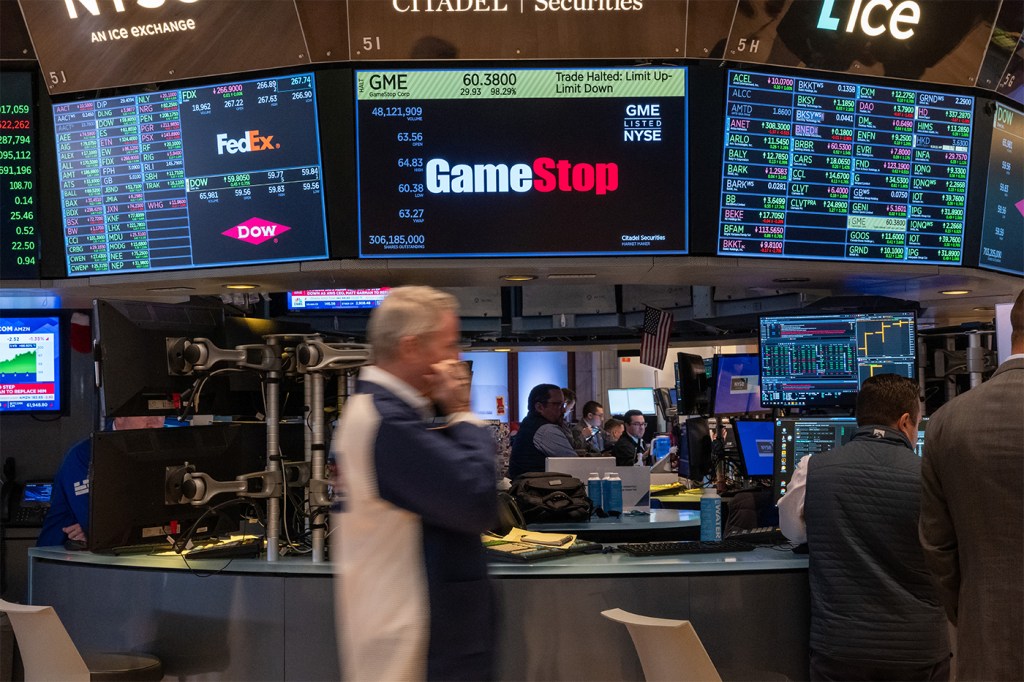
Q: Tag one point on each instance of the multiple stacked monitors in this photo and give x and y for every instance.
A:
(621, 400)
(336, 299)
(217, 175)
(821, 169)
(1002, 233)
(30, 364)
(737, 385)
(522, 162)
(821, 360)
(19, 234)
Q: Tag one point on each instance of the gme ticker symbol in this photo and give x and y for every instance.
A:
(255, 231)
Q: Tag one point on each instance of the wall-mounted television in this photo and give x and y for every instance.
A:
(522, 162)
(19, 158)
(1002, 230)
(821, 360)
(216, 175)
(814, 168)
(336, 299)
(31, 368)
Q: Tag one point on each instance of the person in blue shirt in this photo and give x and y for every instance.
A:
(68, 517)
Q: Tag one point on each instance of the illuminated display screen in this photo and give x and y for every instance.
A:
(336, 299)
(522, 162)
(821, 360)
(1002, 232)
(19, 236)
(820, 169)
(218, 175)
(29, 364)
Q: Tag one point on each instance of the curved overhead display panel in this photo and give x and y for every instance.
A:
(1003, 68)
(223, 174)
(821, 169)
(467, 163)
(1002, 232)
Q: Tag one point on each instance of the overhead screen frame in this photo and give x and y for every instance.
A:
(313, 142)
(16, 237)
(978, 148)
(504, 251)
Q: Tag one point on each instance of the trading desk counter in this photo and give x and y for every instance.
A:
(255, 620)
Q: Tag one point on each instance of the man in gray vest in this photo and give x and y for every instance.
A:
(875, 612)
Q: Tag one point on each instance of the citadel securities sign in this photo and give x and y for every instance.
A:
(94, 44)
(941, 41)
(517, 29)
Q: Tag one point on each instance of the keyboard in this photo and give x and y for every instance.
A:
(684, 547)
(523, 552)
(759, 536)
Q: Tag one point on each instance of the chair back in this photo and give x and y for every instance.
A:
(47, 651)
(668, 649)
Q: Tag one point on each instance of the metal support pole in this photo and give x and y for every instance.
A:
(273, 392)
(318, 462)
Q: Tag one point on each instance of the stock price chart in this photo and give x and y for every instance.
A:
(1002, 233)
(819, 169)
(19, 237)
(217, 175)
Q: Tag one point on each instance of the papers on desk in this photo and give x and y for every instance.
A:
(525, 546)
(533, 538)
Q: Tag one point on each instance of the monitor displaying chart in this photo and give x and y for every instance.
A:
(29, 364)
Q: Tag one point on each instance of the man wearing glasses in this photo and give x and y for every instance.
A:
(589, 428)
(540, 435)
(631, 446)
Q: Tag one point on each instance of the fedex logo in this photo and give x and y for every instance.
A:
(255, 231)
(251, 141)
(92, 6)
(545, 175)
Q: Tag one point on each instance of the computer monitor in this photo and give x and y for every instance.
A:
(820, 360)
(756, 443)
(621, 400)
(134, 340)
(336, 299)
(737, 385)
(797, 438)
(695, 449)
(691, 384)
(127, 478)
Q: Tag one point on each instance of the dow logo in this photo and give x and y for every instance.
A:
(255, 231)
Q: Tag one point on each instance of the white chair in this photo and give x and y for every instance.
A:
(668, 649)
(48, 653)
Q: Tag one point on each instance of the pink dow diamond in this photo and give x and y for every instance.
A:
(1020, 206)
(255, 231)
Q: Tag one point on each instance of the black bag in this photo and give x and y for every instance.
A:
(551, 496)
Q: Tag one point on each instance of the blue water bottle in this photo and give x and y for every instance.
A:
(594, 491)
(710, 516)
(612, 493)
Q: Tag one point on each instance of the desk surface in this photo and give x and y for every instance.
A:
(608, 564)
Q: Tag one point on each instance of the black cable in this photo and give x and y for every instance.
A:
(179, 544)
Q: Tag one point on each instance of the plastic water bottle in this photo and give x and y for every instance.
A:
(710, 516)
(612, 493)
(594, 491)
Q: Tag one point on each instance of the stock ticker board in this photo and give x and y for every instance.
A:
(516, 162)
(837, 170)
(19, 236)
(218, 175)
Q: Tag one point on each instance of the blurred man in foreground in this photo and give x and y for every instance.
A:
(412, 596)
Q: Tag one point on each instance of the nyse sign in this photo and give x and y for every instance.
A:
(94, 44)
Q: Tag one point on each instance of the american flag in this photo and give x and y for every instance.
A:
(654, 337)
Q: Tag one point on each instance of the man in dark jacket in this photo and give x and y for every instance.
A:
(875, 611)
(540, 435)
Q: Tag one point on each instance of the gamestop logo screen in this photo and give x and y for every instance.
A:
(522, 162)
(217, 175)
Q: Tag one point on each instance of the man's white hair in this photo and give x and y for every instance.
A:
(407, 311)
